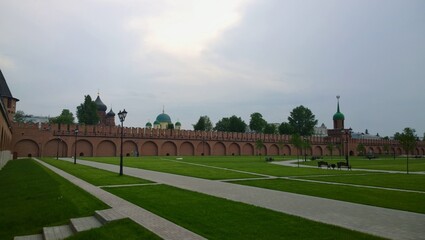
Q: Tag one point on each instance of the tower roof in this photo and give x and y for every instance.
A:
(111, 113)
(4, 89)
(100, 105)
(338, 115)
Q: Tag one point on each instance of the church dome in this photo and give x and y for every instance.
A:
(100, 105)
(163, 118)
(148, 124)
(156, 122)
(110, 113)
(338, 115)
(178, 124)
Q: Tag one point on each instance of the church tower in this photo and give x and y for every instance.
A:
(338, 117)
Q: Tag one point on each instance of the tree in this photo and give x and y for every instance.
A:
(407, 140)
(259, 144)
(286, 128)
(297, 141)
(257, 123)
(305, 144)
(232, 124)
(19, 116)
(66, 117)
(330, 148)
(203, 124)
(361, 149)
(170, 126)
(302, 121)
(87, 112)
(270, 128)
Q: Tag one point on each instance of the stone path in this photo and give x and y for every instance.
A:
(158, 225)
(388, 223)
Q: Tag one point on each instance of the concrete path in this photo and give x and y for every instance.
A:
(392, 224)
(158, 225)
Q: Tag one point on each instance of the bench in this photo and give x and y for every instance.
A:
(343, 165)
(322, 163)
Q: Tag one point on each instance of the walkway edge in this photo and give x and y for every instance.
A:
(158, 225)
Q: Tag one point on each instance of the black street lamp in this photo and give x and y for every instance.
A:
(122, 116)
(75, 144)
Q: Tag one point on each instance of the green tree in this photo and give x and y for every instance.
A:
(286, 128)
(407, 140)
(361, 149)
(259, 144)
(281, 144)
(297, 141)
(330, 148)
(203, 124)
(257, 123)
(66, 117)
(305, 144)
(302, 121)
(19, 116)
(170, 126)
(270, 128)
(232, 124)
(87, 112)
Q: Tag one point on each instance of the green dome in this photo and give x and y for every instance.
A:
(178, 124)
(156, 122)
(163, 118)
(148, 124)
(338, 116)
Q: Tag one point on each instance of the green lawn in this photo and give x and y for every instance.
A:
(33, 197)
(216, 218)
(93, 175)
(383, 163)
(169, 164)
(161, 165)
(414, 182)
(406, 201)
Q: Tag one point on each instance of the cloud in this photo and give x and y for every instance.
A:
(186, 28)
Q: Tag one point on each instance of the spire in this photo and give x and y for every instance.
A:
(163, 109)
(337, 97)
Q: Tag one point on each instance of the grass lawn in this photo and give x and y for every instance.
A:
(414, 182)
(120, 229)
(33, 197)
(216, 218)
(406, 201)
(169, 164)
(93, 175)
(384, 163)
(161, 165)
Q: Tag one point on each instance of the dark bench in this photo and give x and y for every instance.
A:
(343, 165)
(321, 164)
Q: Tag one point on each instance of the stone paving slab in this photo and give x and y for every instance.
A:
(108, 215)
(156, 224)
(29, 237)
(388, 223)
(57, 232)
(85, 223)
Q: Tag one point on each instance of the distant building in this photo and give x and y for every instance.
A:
(35, 119)
(162, 121)
(321, 131)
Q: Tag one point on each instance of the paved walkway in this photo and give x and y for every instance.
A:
(388, 223)
(158, 225)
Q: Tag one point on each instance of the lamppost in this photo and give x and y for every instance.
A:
(305, 149)
(75, 144)
(122, 115)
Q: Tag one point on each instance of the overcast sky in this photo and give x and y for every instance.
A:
(220, 58)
